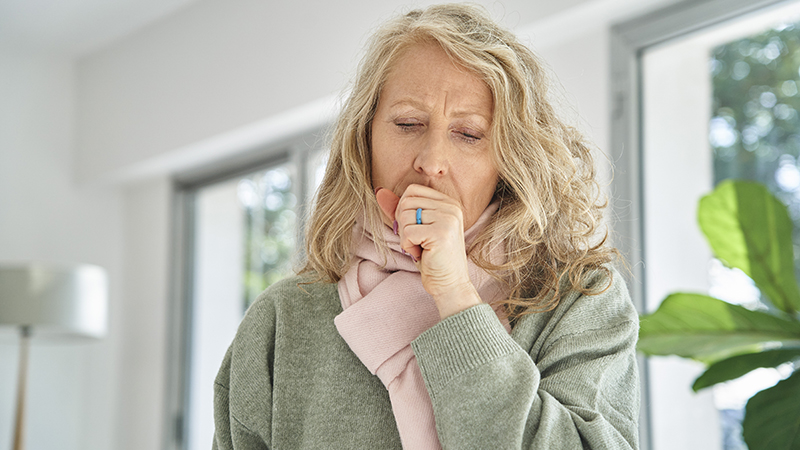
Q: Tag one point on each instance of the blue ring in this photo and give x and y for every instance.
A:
(419, 216)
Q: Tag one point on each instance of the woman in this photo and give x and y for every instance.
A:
(452, 252)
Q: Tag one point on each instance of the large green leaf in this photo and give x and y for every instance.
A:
(772, 417)
(750, 229)
(702, 327)
(736, 366)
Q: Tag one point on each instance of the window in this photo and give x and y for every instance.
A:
(242, 232)
(682, 126)
(754, 132)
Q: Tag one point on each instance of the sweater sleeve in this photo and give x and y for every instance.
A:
(243, 387)
(579, 390)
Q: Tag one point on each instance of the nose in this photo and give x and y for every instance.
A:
(433, 159)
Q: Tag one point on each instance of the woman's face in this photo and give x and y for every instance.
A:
(432, 127)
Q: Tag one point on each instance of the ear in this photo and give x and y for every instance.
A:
(388, 201)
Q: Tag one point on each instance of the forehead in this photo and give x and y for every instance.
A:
(423, 71)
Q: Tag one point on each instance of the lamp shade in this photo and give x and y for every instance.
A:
(55, 300)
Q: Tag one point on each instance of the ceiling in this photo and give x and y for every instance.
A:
(76, 27)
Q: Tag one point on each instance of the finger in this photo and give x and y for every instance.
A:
(387, 200)
(418, 190)
(413, 250)
(419, 238)
(432, 211)
(443, 235)
(444, 229)
(418, 196)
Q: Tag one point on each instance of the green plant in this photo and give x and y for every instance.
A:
(749, 229)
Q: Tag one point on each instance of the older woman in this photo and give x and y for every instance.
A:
(456, 294)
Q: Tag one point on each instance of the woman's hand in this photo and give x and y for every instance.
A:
(437, 244)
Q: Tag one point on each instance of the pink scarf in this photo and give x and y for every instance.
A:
(384, 310)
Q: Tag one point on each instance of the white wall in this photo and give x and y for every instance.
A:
(218, 67)
(581, 67)
(45, 216)
(215, 67)
(86, 395)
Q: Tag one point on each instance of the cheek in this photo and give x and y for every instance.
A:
(481, 193)
(380, 156)
(489, 185)
(391, 157)
(487, 178)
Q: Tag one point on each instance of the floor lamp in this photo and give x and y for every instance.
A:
(50, 301)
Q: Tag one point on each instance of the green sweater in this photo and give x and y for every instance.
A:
(563, 379)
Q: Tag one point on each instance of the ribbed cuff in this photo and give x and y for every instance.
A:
(459, 344)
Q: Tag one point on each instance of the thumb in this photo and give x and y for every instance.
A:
(388, 201)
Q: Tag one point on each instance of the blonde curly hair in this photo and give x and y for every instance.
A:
(550, 203)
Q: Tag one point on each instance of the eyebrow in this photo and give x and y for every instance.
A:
(456, 113)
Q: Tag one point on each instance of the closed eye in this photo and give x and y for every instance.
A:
(408, 126)
(468, 136)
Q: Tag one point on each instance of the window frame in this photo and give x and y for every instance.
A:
(298, 149)
(628, 42)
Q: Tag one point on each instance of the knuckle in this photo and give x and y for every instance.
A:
(452, 221)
